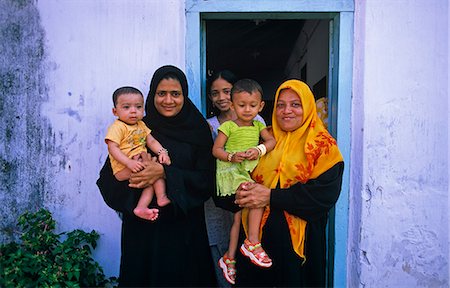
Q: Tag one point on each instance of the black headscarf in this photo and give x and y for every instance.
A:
(188, 125)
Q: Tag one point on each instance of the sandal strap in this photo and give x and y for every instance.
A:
(229, 260)
(231, 271)
(251, 246)
(262, 255)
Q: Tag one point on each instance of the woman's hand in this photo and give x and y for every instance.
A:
(146, 177)
(252, 195)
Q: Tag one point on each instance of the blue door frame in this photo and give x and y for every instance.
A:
(341, 47)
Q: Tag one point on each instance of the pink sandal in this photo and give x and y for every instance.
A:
(227, 265)
(258, 258)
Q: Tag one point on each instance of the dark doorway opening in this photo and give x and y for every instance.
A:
(271, 51)
(258, 49)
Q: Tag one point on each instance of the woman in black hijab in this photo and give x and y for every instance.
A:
(174, 249)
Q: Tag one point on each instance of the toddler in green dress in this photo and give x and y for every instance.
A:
(237, 150)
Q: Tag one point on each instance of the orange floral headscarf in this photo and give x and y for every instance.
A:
(298, 156)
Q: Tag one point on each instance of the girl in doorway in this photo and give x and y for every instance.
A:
(237, 151)
(219, 90)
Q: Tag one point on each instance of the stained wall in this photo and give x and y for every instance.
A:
(60, 63)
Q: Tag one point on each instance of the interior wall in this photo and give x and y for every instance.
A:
(311, 48)
(252, 48)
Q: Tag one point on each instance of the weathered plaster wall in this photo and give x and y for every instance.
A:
(60, 63)
(25, 136)
(400, 214)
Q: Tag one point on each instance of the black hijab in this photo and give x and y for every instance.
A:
(188, 125)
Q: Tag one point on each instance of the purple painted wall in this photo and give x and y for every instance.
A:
(399, 199)
(60, 63)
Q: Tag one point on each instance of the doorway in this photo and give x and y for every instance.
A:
(339, 80)
(252, 48)
(271, 51)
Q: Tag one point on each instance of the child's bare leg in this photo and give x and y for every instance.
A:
(234, 236)
(228, 263)
(254, 222)
(142, 209)
(160, 192)
(123, 174)
(256, 253)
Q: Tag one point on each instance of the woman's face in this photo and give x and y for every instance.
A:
(220, 94)
(289, 110)
(169, 97)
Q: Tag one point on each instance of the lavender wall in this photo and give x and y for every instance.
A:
(61, 61)
(399, 203)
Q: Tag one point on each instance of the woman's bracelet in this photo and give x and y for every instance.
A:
(262, 150)
(163, 150)
(230, 156)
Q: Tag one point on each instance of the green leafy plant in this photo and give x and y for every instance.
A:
(42, 259)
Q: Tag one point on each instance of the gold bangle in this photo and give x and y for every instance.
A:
(262, 150)
(230, 156)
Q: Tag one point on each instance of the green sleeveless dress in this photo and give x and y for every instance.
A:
(230, 175)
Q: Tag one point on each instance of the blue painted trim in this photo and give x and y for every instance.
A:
(272, 15)
(270, 6)
(193, 59)
(332, 124)
(203, 64)
(344, 90)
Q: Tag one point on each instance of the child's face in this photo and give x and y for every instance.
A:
(220, 94)
(247, 105)
(129, 108)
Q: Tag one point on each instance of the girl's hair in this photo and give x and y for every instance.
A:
(246, 85)
(125, 90)
(226, 75)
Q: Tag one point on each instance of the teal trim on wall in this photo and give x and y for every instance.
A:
(344, 73)
(193, 59)
(199, 6)
(341, 11)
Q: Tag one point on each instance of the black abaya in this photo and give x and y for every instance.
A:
(173, 250)
(310, 201)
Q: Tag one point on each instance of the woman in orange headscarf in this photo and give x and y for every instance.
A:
(298, 183)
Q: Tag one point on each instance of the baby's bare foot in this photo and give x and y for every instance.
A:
(146, 213)
(163, 200)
